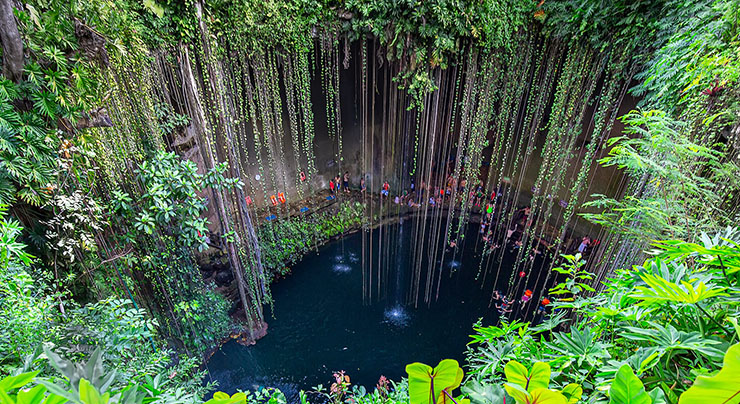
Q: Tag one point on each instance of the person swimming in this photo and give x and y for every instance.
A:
(504, 308)
(527, 295)
(543, 305)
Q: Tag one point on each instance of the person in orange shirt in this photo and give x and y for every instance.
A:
(543, 305)
(527, 296)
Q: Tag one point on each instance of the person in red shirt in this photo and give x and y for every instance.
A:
(331, 186)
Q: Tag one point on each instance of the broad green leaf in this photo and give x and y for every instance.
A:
(31, 396)
(154, 8)
(572, 393)
(546, 396)
(487, 393)
(627, 388)
(426, 384)
(734, 323)
(18, 381)
(723, 388)
(55, 399)
(657, 396)
(90, 395)
(57, 391)
(520, 395)
(220, 397)
(536, 378)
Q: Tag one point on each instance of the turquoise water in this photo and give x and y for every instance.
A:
(320, 323)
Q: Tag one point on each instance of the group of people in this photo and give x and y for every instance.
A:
(477, 197)
(339, 183)
(505, 305)
(433, 195)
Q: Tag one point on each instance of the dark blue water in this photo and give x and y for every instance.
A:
(320, 323)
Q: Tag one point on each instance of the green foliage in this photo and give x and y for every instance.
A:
(27, 305)
(169, 121)
(27, 147)
(480, 393)
(85, 383)
(680, 186)
(170, 202)
(658, 288)
(701, 54)
(531, 386)
(669, 320)
(70, 233)
(286, 241)
(627, 388)
(724, 387)
(538, 377)
(59, 86)
(718, 252)
(431, 386)
(264, 25)
(422, 35)
(11, 250)
(578, 279)
(579, 346)
(492, 332)
(159, 230)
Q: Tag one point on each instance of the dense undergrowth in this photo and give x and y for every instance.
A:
(113, 263)
(287, 242)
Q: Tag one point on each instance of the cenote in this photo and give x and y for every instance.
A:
(320, 323)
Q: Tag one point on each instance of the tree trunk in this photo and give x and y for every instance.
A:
(198, 120)
(12, 42)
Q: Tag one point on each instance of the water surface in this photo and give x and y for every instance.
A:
(320, 323)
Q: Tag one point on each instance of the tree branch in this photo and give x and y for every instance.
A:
(97, 118)
(12, 42)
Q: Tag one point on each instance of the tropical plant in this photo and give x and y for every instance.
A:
(679, 185)
(531, 386)
(724, 387)
(660, 324)
(28, 306)
(578, 280)
(429, 385)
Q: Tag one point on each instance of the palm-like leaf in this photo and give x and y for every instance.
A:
(661, 290)
(665, 339)
(719, 251)
(579, 346)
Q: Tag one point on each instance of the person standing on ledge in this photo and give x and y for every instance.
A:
(338, 181)
(345, 183)
(386, 189)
